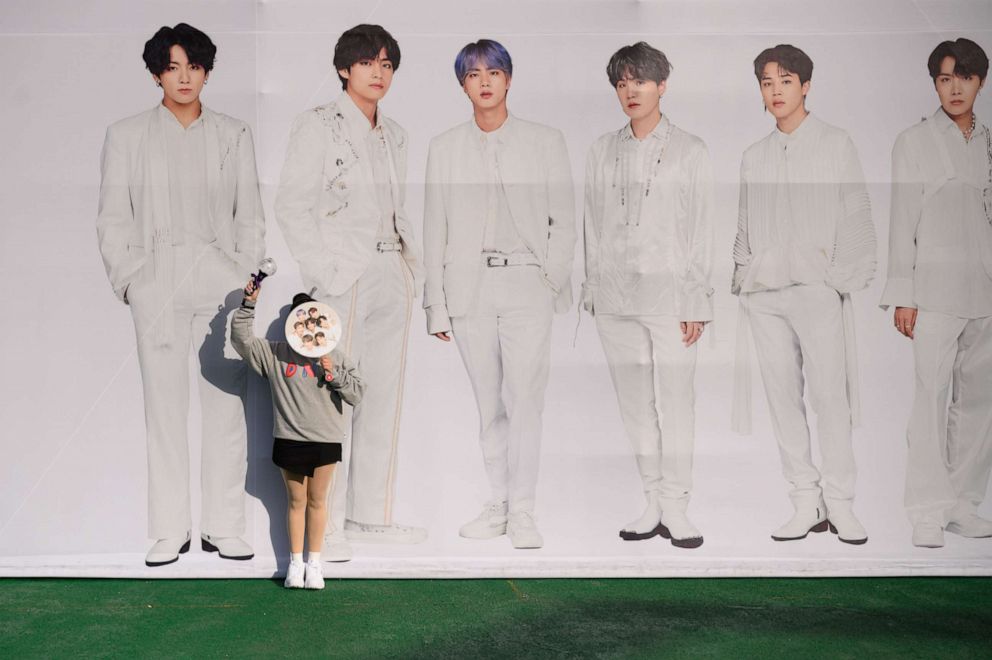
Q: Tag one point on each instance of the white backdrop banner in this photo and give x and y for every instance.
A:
(73, 475)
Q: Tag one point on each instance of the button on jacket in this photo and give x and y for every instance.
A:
(328, 205)
(536, 177)
(648, 238)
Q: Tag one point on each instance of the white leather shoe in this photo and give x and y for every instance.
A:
(676, 526)
(841, 521)
(970, 525)
(336, 547)
(294, 575)
(228, 547)
(369, 533)
(315, 576)
(806, 519)
(928, 534)
(647, 525)
(522, 530)
(166, 551)
(487, 525)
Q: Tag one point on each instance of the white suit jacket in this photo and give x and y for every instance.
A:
(133, 222)
(537, 180)
(327, 205)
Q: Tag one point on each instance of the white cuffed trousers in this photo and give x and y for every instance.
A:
(800, 330)
(205, 290)
(653, 374)
(375, 317)
(505, 344)
(950, 448)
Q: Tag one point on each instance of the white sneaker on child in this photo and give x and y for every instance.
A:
(294, 575)
(315, 575)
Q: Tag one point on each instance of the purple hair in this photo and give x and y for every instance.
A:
(490, 53)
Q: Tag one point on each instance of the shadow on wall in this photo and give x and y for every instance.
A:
(263, 480)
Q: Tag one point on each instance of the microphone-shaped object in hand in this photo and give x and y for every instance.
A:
(266, 267)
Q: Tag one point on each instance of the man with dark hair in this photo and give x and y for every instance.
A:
(805, 242)
(180, 227)
(784, 58)
(940, 283)
(648, 245)
(340, 206)
(499, 237)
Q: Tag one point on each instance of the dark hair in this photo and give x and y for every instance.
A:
(298, 324)
(969, 58)
(319, 334)
(789, 58)
(640, 61)
(363, 42)
(301, 298)
(491, 53)
(199, 49)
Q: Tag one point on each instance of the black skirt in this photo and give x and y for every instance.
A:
(301, 457)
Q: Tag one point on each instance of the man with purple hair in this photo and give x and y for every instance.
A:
(499, 238)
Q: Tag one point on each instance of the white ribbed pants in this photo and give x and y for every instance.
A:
(375, 315)
(653, 374)
(505, 344)
(206, 289)
(950, 448)
(800, 330)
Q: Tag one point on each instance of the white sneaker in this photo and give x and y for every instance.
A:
(368, 533)
(970, 525)
(166, 551)
(294, 575)
(927, 534)
(315, 576)
(228, 547)
(522, 530)
(336, 547)
(487, 525)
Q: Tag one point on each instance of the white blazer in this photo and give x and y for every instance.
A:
(327, 205)
(133, 221)
(537, 180)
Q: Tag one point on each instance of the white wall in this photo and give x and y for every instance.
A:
(72, 478)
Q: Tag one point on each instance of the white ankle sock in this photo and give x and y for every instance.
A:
(313, 558)
(296, 557)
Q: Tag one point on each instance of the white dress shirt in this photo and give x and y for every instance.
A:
(940, 239)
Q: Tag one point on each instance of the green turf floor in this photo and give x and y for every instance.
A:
(720, 618)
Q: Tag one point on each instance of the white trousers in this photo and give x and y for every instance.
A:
(505, 344)
(800, 330)
(206, 289)
(653, 374)
(950, 448)
(375, 314)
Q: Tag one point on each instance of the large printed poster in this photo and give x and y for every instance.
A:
(76, 480)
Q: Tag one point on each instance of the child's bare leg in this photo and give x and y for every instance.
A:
(317, 505)
(296, 494)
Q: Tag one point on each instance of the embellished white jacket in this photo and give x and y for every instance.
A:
(654, 257)
(326, 204)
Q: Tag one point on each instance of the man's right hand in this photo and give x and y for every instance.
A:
(905, 320)
(443, 336)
